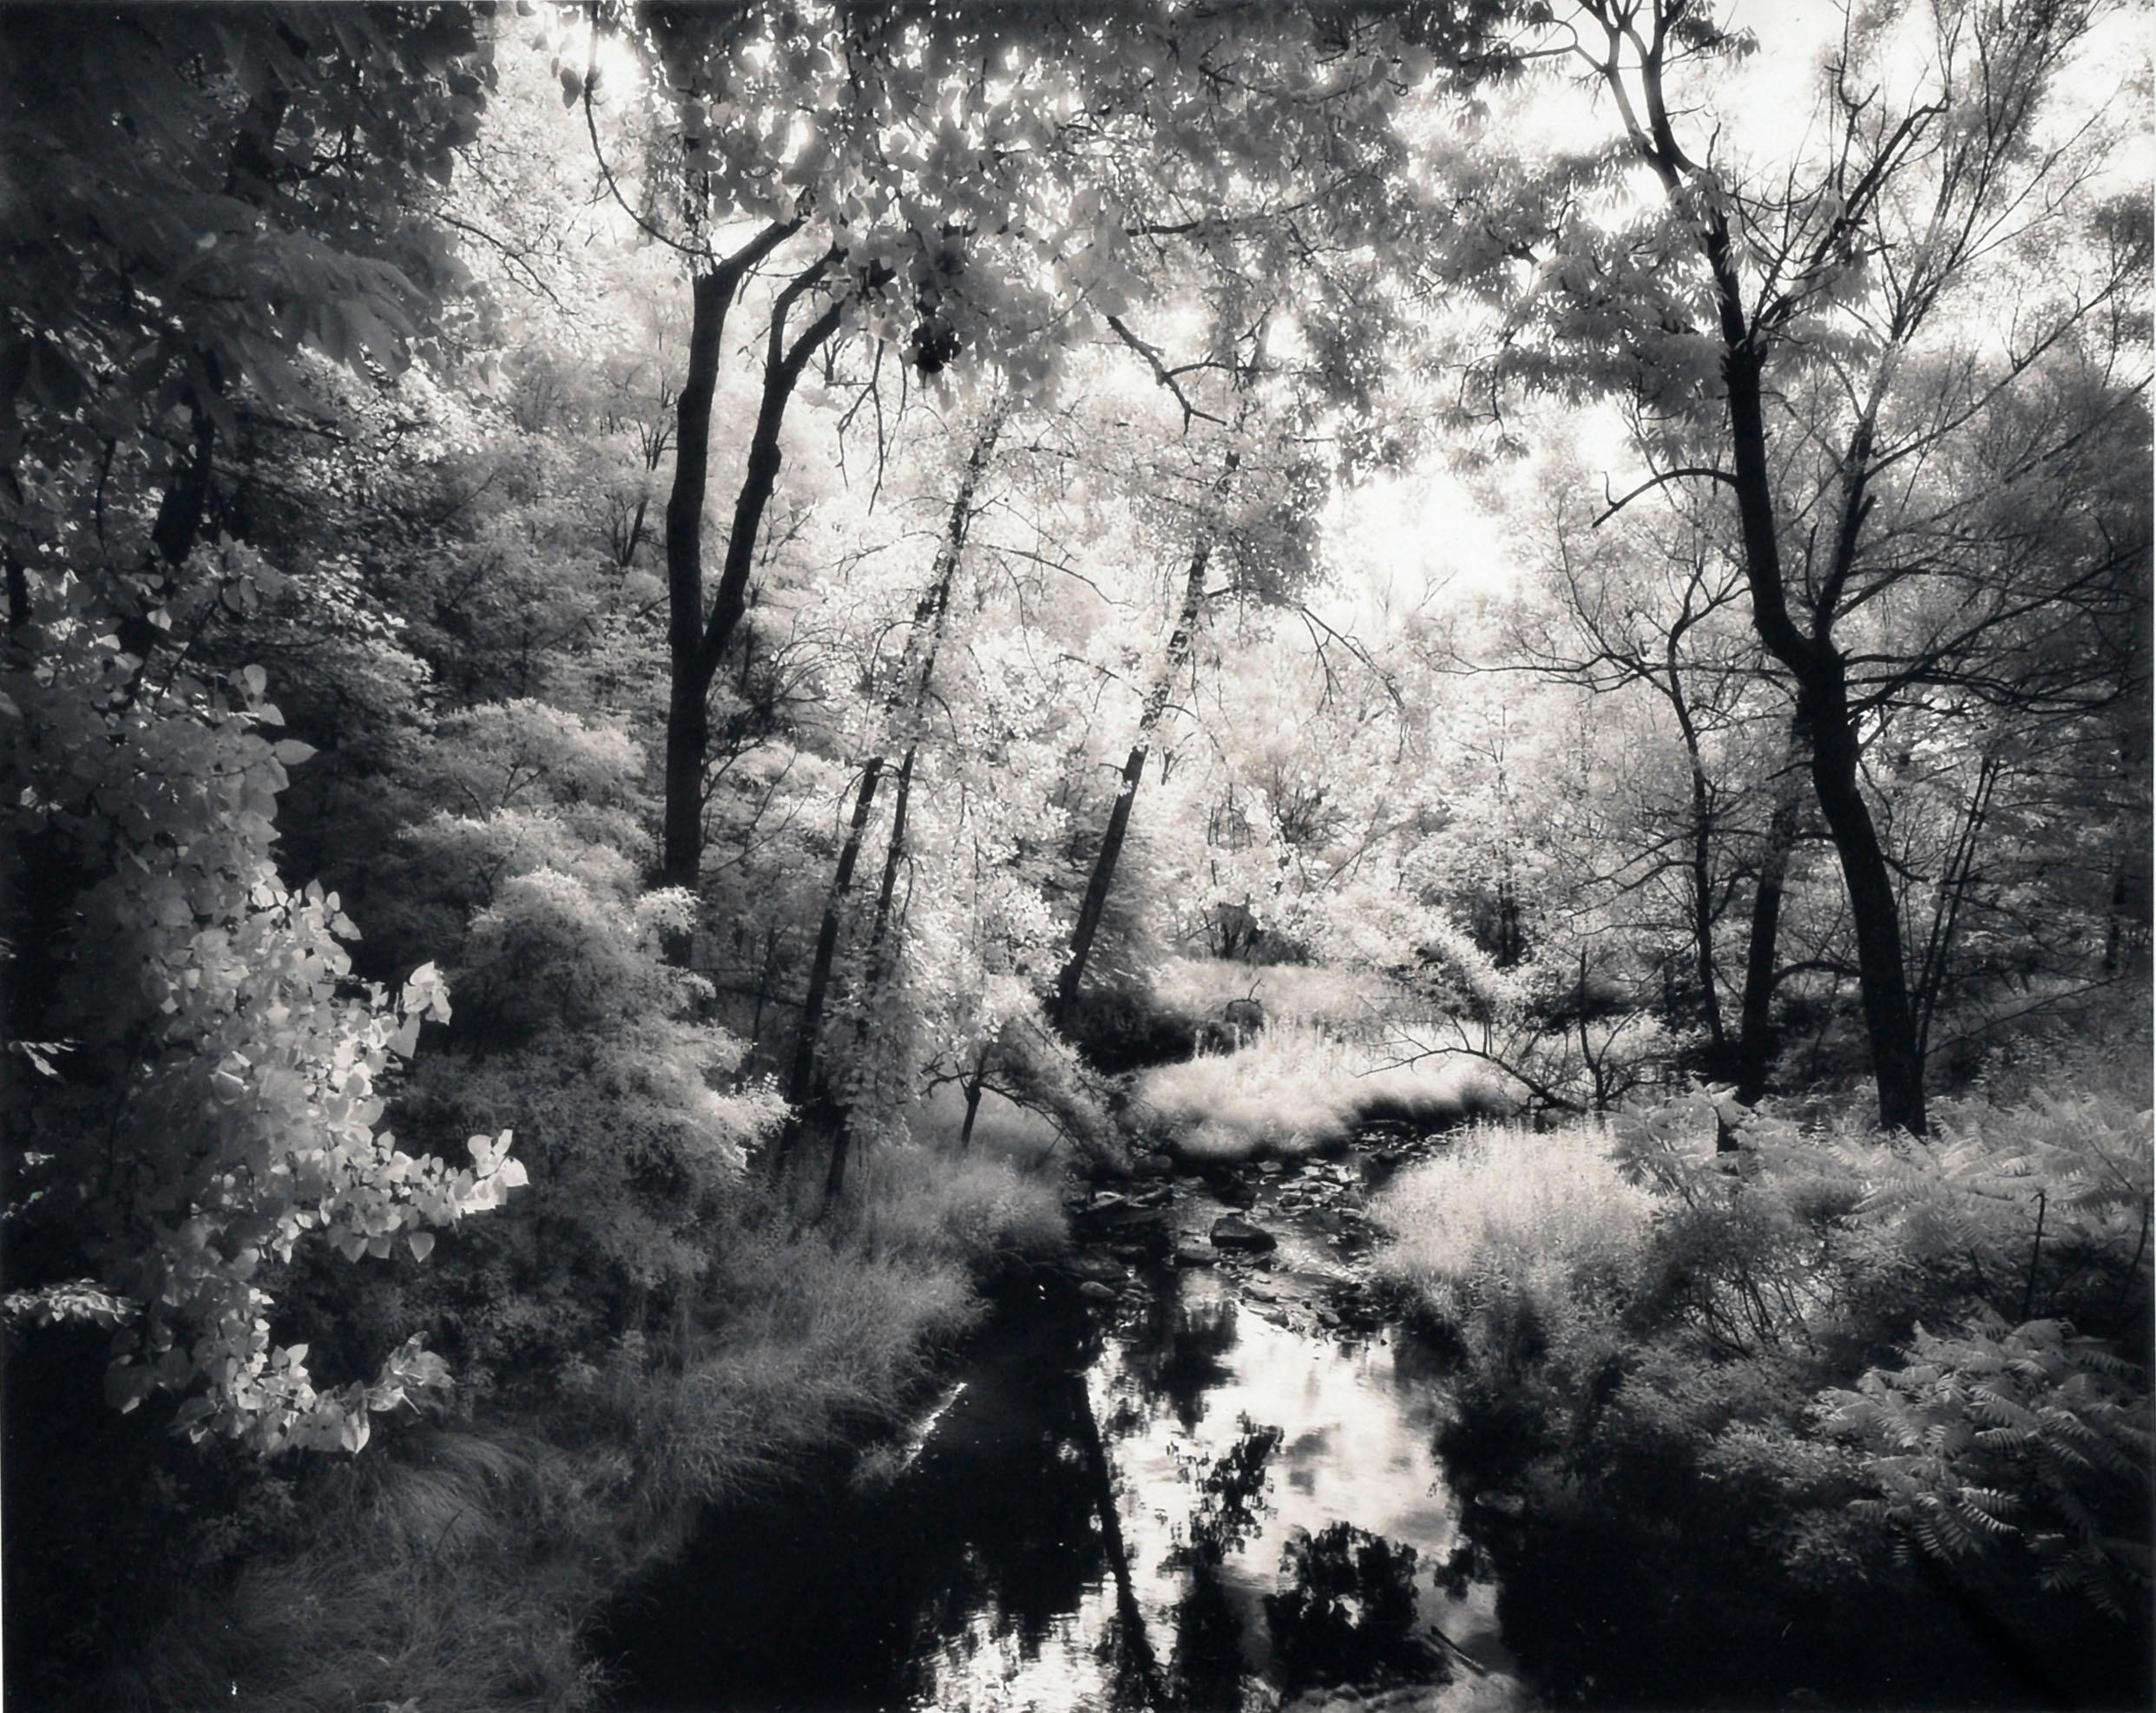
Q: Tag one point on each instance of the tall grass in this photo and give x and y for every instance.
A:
(1299, 1088)
(452, 1568)
(448, 1574)
(1506, 1208)
(975, 1210)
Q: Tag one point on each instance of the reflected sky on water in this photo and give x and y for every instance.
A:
(1196, 1509)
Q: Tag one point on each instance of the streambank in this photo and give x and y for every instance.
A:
(1179, 1473)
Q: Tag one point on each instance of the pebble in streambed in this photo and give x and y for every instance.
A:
(1290, 1237)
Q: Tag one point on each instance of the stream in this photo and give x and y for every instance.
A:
(1203, 1488)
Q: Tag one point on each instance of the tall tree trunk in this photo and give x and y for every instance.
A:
(917, 672)
(1823, 699)
(1953, 892)
(1889, 1019)
(1755, 1039)
(801, 1080)
(1701, 863)
(877, 963)
(695, 641)
(1093, 906)
(687, 720)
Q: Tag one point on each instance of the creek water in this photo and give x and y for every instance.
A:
(1190, 1501)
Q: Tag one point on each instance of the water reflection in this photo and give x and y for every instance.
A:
(1346, 1610)
(1198, 1511)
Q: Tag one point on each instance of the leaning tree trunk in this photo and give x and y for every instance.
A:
(1063, 1007)
(973, 1085)
(877, 962)
(917, 670)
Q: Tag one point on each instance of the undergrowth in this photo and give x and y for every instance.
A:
(1298, 1089)
(1862, 1416)
(454, 1567)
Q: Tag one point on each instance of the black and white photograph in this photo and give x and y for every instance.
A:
(1025, 857)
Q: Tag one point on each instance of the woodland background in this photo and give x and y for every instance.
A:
(659, 659)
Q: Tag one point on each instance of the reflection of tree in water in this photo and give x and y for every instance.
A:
(1177, 1353)
(1134, 1673)
(1466, 1564)
(1231, 1496)
(1208, 1629)
(1346, 1613)
(1020, 1510)
(1208, 1674)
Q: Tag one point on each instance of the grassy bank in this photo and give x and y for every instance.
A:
(453, 1566)
(1302, 1086)
(1851, 1419)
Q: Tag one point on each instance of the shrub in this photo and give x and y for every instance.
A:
(1721, 1367)
(973, 1209)
(211, 1082)
(1297, 1089)
(2010, 1447)
(1507, 1209)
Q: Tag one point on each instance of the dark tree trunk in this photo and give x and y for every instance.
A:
(185, 503)
(691, 658)
(973, 1085)
(1822, 700)
(1703, 936)
(1755, 1038)
(801, 1080)
(1889, 1020)
(1701, 870)
(19, 612)
(1511, 938)
(1953, 892)
(688, 723)
(1094, 905)
(1700, 858)
(877, 962)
